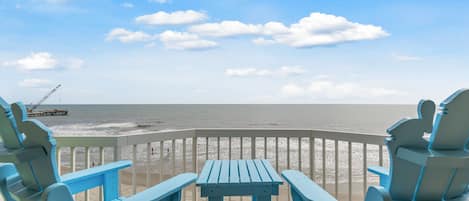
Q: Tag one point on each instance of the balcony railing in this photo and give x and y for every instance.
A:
(336, 160)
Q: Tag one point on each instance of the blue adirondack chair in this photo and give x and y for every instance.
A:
(28, 169)
(420, 169)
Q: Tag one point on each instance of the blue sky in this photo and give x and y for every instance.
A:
(236, 51)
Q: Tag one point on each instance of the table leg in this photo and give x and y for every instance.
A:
(261, 198)
(215, 198)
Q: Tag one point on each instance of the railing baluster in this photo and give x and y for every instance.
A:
(349, 170)
(183, 192)
(72, 162)
(161, 161)
(364, 169)
(147, 166)
(336, 160)
(218, 148)
(173, 156)
(59, 160)
(194, 166)
(299, 154)
(134, 168)
(241, 147)
(276, 154)
(253, 147)
(184, 154)
(229, 148)
(265, 148)
(288, 152)
(117, 153)
(324, 163)
(73, 158)
(380, 155)
(87, 165)
(206, 148)
(241, 154)
(101, 162)
(312, 157)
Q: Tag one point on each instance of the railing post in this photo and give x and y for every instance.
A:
(194, 165)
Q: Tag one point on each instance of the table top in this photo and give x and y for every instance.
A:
(220, 172)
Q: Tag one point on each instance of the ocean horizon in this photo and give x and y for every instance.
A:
(130, 119)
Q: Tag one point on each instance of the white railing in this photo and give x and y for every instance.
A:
(336, 160)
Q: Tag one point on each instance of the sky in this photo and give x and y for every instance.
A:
(233, 51)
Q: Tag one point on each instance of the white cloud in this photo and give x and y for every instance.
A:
(44, 61)
(127, 36)
(406, 58)
(127, 5)
(226, 28)
(35, 83)
(174, 18)
(283, 71)
(314, 30)
(159, 1)
(35, 61)
(185, 41)
(337, 90)
(323, 29)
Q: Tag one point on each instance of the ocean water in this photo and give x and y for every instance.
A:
(135, 119)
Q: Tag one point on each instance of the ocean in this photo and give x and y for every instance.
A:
(135, 119)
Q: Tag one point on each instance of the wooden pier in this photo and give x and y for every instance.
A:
(47, 113)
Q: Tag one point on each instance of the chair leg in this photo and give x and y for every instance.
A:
(295, 196)
(176, 196)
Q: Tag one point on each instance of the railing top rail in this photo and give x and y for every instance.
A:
(123, 140)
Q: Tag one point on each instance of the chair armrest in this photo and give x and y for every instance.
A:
(377, 193)
(304, 189)
(383, 174)
(168, 188)
(92, 177)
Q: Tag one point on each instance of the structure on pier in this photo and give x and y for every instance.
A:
(54, 112)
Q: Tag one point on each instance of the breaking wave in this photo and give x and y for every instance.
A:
(114, 128)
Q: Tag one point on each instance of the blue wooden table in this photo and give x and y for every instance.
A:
(256, 178)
